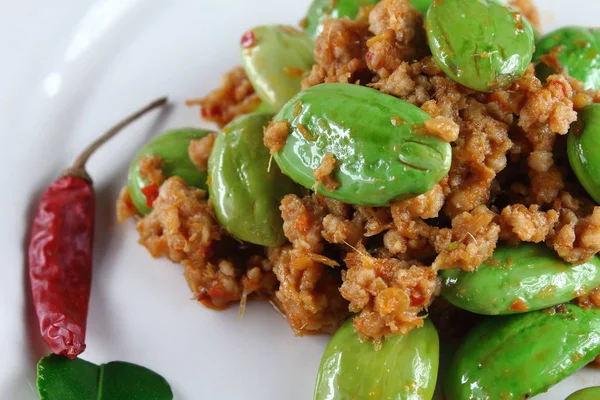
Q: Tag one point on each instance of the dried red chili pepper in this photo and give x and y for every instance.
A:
(60, 251)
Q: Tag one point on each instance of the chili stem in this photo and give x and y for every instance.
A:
(78, 167)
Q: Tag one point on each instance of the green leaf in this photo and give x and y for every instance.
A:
(59, 378)
(127, 381)
(62, 379)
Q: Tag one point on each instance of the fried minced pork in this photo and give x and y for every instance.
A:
(150, 169)
(125, 207)
(576, 239)
(324, 173)
(340, 53)
(235, 97)
(199, 151)
(221, 283)
(398, 36)
(528, 9)
(388, 293)
(520, 223)
(509, 183)
(479, 155)
(308, 293)
(469, 243)
(343, 225)
(182, 227)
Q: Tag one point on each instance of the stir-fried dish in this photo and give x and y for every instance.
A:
(396, 173)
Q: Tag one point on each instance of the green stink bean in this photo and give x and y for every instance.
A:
(591, 393)
(245, 194)
(583, 142)
(264, 108)
(518, 279)
(519, 356)
(373, 138)
(172, 147)
(275, 58)
(320, 10)
(484, 45)
(577, 50)
(405, 368)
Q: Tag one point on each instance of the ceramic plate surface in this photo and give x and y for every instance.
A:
(70, 69)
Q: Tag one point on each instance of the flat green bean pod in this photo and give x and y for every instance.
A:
(405, 368)
(265, 108)
(373, 137)
(275, 58)
(520, 356)
(320, 10)
(591, 393)
(519, 279)
(484, 44)
(583, 142)
(172, 147)
(577, 51)
(244, 191)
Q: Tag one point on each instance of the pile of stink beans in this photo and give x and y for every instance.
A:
(362, 147)
(337, 140)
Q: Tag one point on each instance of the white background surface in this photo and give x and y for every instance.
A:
(68, 70)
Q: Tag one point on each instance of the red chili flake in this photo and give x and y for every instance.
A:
(150, 193)
(248, 40)
(369, 57)
(129, 203)
(417, 300)
(218, 292)
(519, 305)
(211, 112)
(60, 251)
(207, 302)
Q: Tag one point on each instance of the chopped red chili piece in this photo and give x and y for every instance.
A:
(211, 112)
(417, 300)
(218, 292)
(150, 192)
(519, 305)
(248, 40)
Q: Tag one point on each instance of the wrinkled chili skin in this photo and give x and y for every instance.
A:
(60, 263)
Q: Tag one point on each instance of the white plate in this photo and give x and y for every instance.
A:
(71, 68)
